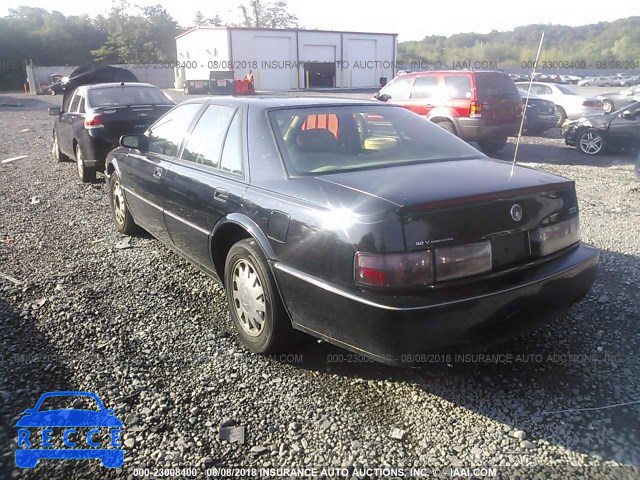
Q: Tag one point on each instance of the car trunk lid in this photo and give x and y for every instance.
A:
(133, 119)
(449, 203)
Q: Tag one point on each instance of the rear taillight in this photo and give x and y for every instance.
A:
(550, 239)
(475, 109)
(462, 261)
(591, 103)
(93, 121)
(393, 270)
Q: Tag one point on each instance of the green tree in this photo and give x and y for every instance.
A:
(263, 14)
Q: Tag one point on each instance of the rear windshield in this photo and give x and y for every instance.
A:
(317, 140)
(127, 95)
(566, 90)
(495, 85)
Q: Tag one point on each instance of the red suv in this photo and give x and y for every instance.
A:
(479, 106)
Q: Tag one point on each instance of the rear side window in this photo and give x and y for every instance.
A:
(496, 85)
(424, 86)
(398, 89)
(458, 86)
(75, 102)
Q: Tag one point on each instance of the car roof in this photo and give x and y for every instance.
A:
(270, 102)
(117, 84)
(448, 72)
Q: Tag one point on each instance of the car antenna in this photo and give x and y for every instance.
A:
(524, 109)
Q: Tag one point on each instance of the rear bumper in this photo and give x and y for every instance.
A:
(393, 329)
(474, 129)
(540, 122)
(95, 150)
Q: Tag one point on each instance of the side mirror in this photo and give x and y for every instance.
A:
(384, 97)
(139, 142)
(626, 114)
(55, 111)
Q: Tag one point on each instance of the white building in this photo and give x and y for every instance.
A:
(289, 58)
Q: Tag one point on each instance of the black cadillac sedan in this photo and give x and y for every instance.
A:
(359, 223)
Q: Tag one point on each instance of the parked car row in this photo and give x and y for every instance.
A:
(610, 81)
(410, 238)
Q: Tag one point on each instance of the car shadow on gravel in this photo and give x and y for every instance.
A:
(31, 366)
(27, 103)
(565, 383)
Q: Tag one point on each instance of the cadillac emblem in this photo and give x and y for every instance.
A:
(516, 212)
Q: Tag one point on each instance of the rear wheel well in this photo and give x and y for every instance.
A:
(226, 236)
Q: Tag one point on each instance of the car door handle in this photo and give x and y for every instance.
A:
(157, 173)
(221, 194)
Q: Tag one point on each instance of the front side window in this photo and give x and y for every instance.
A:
(166, 134)
(398, 89)
(360, 137)
(205, 143)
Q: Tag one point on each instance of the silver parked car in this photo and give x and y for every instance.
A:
(598, 81)
(617, 100)
(569, 104)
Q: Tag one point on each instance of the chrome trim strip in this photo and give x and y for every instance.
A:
(186, 222)
(330, 288)
(138, 196)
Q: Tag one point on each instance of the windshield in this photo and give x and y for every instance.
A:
(127, 95)
(328, 139)
(566, 90)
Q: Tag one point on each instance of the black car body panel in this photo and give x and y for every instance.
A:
(539, 115)
(310, 226)
(621, 128)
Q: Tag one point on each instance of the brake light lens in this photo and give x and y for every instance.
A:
(394, 270)
(475, 109)
(462, 260)
(547, 240)
(93, 121)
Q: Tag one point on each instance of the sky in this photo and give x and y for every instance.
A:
(410, 19)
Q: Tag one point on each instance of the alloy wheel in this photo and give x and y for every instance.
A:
(119, 208)
(591, 143)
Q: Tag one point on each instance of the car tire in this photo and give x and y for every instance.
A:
(55, 150)
(491, 147)
(119, 209)
(608, 106)
(255, 306)
(591, 142)
(585, 84)
(86, 174)
(447, 125)
(561, 115)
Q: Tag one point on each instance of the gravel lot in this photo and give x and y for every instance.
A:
(151, 336)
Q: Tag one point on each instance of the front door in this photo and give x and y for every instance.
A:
(206, 182)
(143, 173)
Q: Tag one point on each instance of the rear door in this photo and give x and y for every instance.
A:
(501, 102)
(143, 173)
(65, 123)
(206, 182)
(425, 95)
